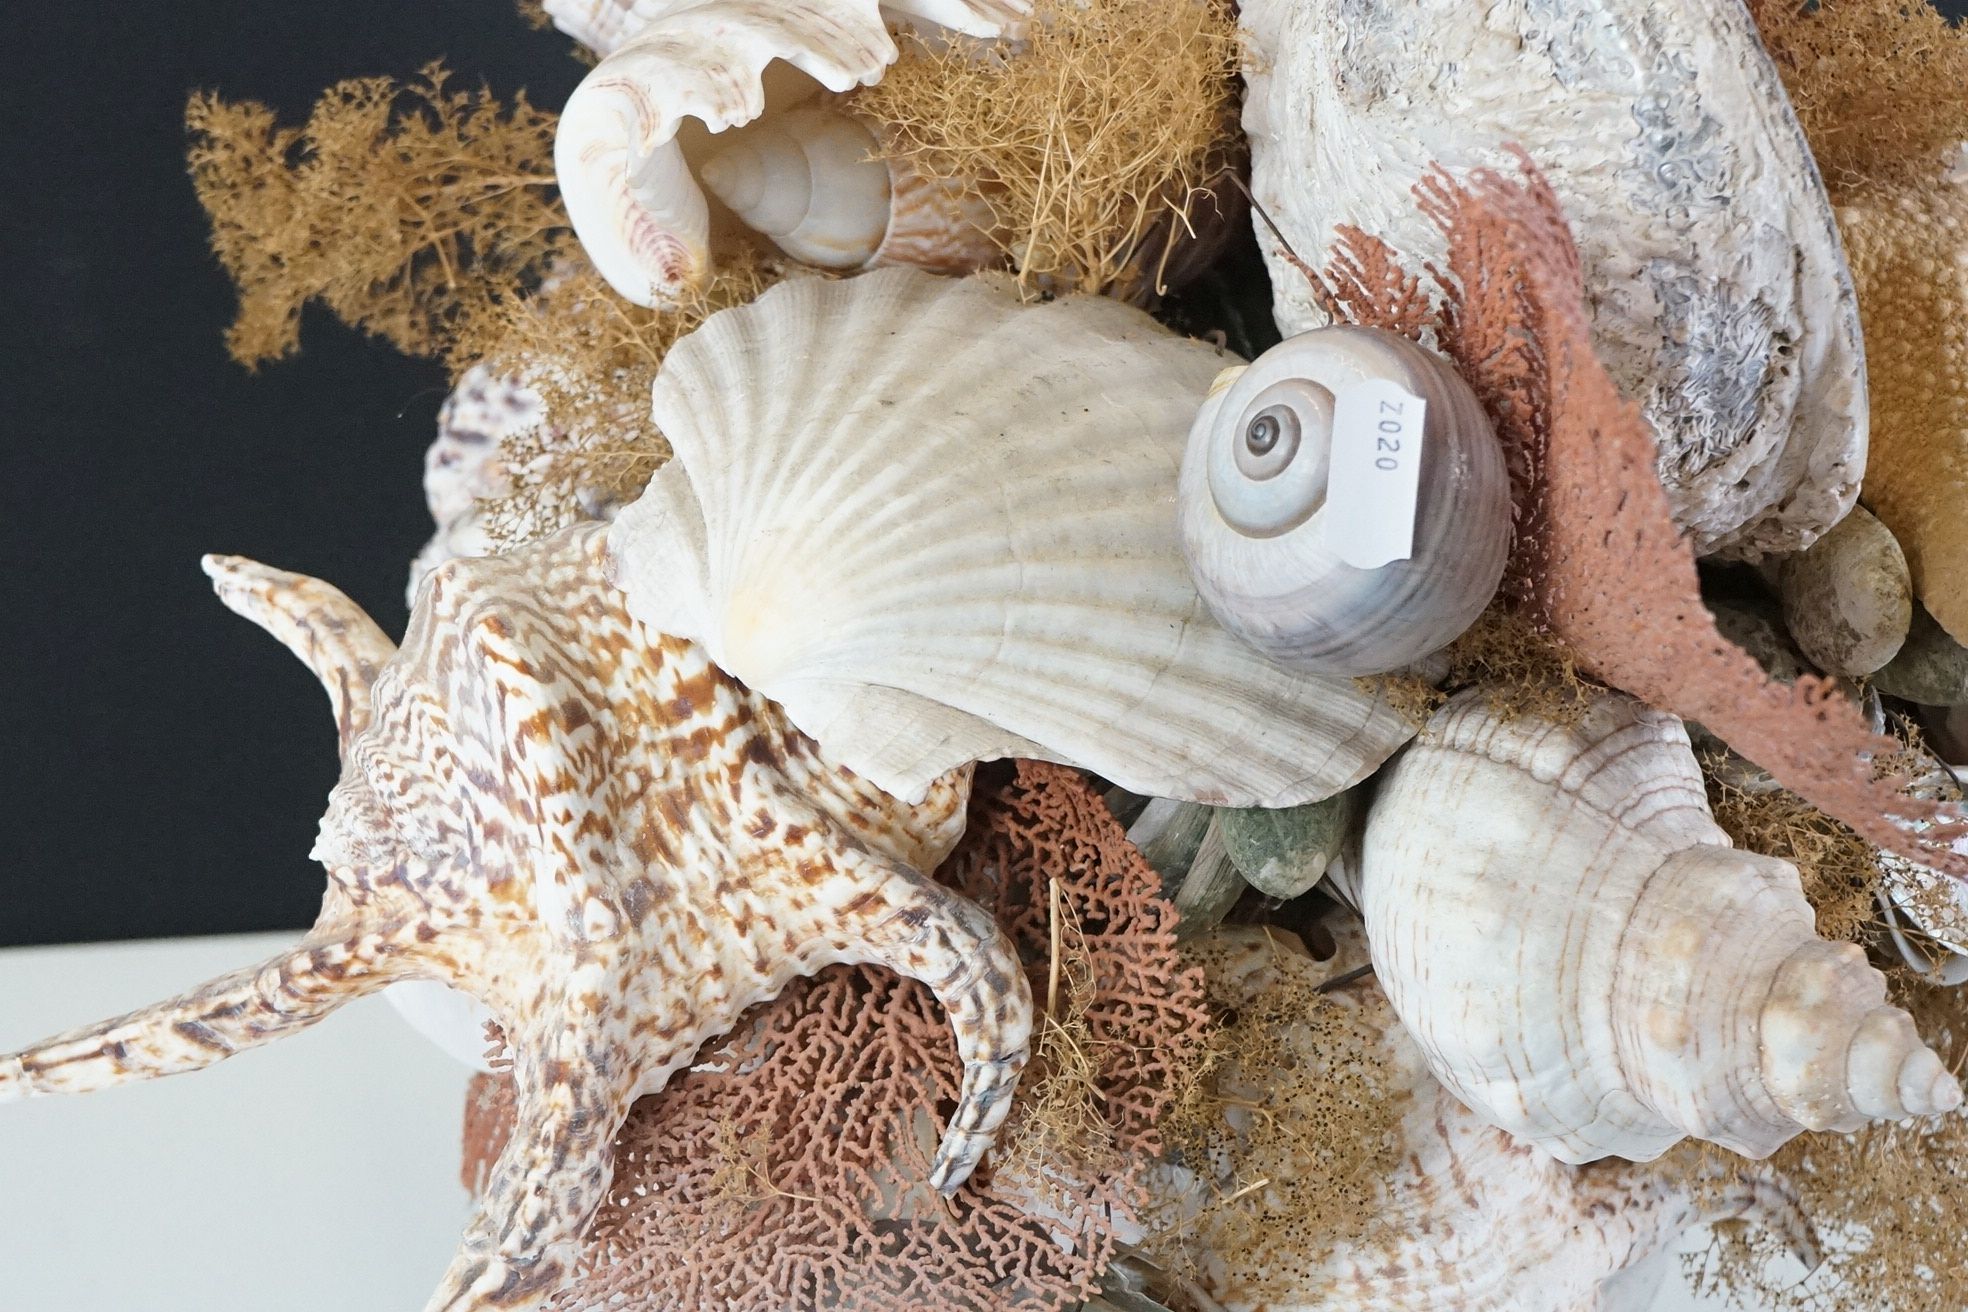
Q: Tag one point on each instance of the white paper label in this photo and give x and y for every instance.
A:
(1375, 473)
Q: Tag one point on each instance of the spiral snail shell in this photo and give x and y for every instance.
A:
(1272, 521)
(813, 180)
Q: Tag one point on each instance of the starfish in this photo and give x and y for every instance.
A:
(611, 843)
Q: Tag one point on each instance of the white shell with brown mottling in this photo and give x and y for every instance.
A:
(937, 525)
(1590, 965)
(617, 848)
(1470, 1219)
(1718, 287)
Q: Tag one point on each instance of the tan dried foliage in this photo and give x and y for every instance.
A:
(1096, 144)
(1890, 1202)
(1597, 561)
(1290, 1124)
(591, 356)
(400, 207)
(1840, 871)
(788, 1169)
(1882, 89)
(1520, 669)
(1881, 86)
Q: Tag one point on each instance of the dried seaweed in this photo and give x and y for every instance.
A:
(1597, 561)
(1882, 89)
(1289, 1124)
(787, 1169)
(1095, 142)
(1890, 1201)
(591, 357)
(1520, 669)
(1881, 86)
(401, 207)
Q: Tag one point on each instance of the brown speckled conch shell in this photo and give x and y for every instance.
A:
(614, 845)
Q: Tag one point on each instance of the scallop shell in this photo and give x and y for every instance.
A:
(1719, 291)
(936, 525)
(1470, 1219)
(625, 158)
(1266, 543)
(1588, 963)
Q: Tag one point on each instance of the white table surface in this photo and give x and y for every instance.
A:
(317, 1174)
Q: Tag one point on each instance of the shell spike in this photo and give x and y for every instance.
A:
(209, 1023)
(318, 623)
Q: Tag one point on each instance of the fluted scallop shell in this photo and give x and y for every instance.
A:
(1470, 1219)
(1589, 964)
(1719, 291)
(937, 525)
(1261, 533)
(628, 136)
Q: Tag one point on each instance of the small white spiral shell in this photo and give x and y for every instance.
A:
(811, 180)
(1257, 523)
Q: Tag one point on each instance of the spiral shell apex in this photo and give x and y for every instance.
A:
(1266, 524)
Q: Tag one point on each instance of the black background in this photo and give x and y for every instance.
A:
(164, 761)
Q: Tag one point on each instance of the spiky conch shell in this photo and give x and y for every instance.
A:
(1590, 965)
(1719, 293)
(1469, 1219)
(624, 169)
(937, 525)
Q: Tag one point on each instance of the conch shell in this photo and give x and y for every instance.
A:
(627, 160)
(1590, 965)
(1718, 289)
(1469, 1219)
(614, 846)
(936, 526)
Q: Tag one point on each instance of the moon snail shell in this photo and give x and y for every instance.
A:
(1256, 518)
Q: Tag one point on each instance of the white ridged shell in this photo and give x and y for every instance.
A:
(937, 525)
(623, 171)
(1718, 287)
(1589, 964)
(1288, 592)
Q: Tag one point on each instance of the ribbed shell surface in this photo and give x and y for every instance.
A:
(938, 525)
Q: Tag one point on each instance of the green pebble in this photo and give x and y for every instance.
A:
(1283, 852)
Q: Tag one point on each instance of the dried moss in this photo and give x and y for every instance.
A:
(1521, 669)
(1840, 870)
(401, 207)
(1289, 1124)
(1881, 86)
(591, 356)
(1095, 140)
(1890, 1202)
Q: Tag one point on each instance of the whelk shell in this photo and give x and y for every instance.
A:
(1590, 965)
